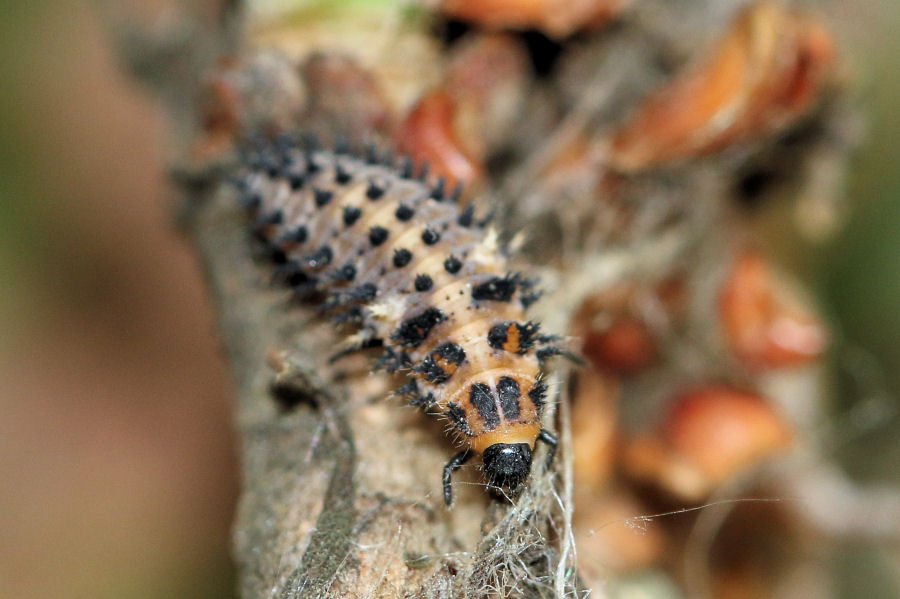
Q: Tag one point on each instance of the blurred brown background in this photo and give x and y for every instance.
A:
(117, 468)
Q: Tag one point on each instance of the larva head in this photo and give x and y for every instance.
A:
(507, 465)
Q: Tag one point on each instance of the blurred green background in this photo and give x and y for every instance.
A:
(117, 467)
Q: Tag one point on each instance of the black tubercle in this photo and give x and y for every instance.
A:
(438, 192)
(298, 234)
(346, 273)
(322, 197)
(423, 283)
(321, 257)
(466, 217)
(430, 236)
(377, 235)
(402, 257)
(341, 175)
(497, 289)
(452, 265)
(432, 367)
(406, 168)
(374, 192)
(507, 465)
(404, 213)
(296, 181)
(413, 331)
(351, 215)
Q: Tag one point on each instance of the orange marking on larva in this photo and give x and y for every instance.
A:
(512, 339)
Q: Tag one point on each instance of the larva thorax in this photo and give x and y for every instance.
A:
(414, 269)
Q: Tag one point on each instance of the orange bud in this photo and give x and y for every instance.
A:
(428, 135)
(710, 435)
(594, 419)
(626, 347)
(766, 323)
(609, 535)
(766, 73)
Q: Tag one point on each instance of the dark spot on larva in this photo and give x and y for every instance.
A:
(452, 265)
(404, 213)
(497, 289)
(451, 352)
(513, 337)
(402, 257)
(297, 235)
(413, 331)
(458, 417)
(481, 400)
(423, 283)
(347, 273)
(351, 215)
(438, 192)
(272, 218)
(365, 292)
(321, 257)
(322, 197)
(406, 168)
(374, 192)
(498, 335)
(442, 363)
(296, 181)
(371, 154)
(377, 235)
(466, 217)
(341, 175)
(276, 254)
(538, 393)
(430, 236)
(508, 391)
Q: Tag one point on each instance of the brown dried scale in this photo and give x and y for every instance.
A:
(421, 276)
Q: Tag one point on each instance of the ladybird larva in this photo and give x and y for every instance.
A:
(415, 270)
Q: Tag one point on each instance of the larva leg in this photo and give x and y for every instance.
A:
(453, 465)
(552, 443)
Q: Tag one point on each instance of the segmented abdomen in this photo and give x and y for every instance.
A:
(414, 269)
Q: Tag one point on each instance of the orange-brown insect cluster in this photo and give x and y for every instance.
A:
(421, 276)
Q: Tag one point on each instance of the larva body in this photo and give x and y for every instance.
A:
(418, 274)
